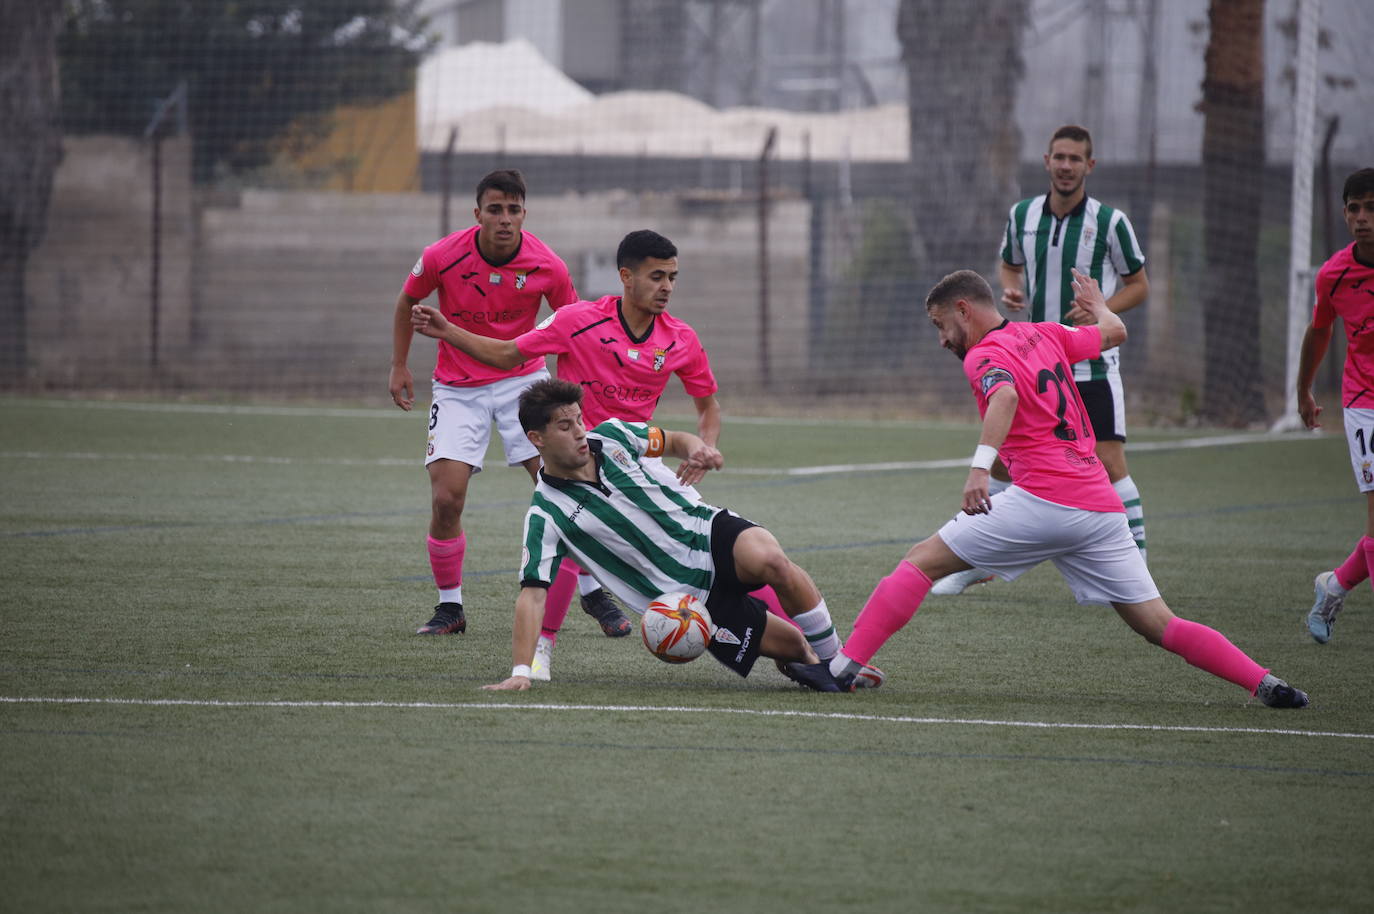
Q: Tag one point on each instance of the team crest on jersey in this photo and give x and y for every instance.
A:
(520, 278)
(494, 279)
(1365, 474)
(621, 458)
(633, 354)
(725, 636)
(419, 268)
(660, 356)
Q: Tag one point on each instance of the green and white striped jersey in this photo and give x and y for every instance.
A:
(637, 536)
(1093, 237)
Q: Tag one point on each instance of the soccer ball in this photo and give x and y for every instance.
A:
(676, 627)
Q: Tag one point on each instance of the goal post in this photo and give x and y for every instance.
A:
(1300, 268)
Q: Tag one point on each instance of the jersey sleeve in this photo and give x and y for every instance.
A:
(543, 550)
(551, 336)
(1079, 343)
(1323, 312)
(561, 291)
(423, 278)
(1011, 235)
(986, 375)
(634, 436)
(1127, 257)
(695, 373)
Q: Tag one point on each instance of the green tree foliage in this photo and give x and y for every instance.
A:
(251, 67)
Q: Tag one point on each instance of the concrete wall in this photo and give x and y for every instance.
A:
(90, 283)
(295, 291)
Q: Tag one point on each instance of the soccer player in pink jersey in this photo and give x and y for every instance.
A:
(1061, 507)
(491, 278)
(1345, 289)
(622, 349)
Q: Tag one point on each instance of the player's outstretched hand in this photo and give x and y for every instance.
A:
(1087, 299)
(427, 321)
(698, 462)
(1013, 299)
(976, 498)
(513, 684)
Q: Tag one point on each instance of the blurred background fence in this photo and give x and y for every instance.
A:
(215, 197)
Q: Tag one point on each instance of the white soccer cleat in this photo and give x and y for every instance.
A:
(543, 660)
(1322, 616)
(960, 581)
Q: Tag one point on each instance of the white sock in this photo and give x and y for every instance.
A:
(840, 664)
(819, 630)
(451, 594)
(587, 584)
(1135, 514)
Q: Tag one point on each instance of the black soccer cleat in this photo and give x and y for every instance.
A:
(600, 606)
(1276, 693)
(448, 620)
(814, 676)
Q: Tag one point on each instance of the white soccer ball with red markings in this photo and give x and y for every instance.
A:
(676, 627)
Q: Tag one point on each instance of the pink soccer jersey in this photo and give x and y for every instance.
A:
(621, 377)
(1049, 449)
(496, 301)
(1345, 289)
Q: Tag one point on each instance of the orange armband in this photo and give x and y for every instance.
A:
(657, 441)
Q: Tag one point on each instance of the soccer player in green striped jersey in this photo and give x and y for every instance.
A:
(641, 536)
(1046, 238)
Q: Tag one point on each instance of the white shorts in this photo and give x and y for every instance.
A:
(460, 421)
(1093, 550)
(1359, 426)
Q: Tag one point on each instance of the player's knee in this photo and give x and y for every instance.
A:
(447, 505)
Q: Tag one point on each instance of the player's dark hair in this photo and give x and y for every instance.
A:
(1358, 184)
(1077, 134)
(962, 284)
(505, 180)
(637, 247)
(544, 398)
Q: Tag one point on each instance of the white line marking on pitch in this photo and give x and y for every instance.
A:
(950, 463)
(673, 709)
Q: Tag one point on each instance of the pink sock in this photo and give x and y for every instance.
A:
(446, 560)
(768, 595)
(892, 604)
(560, 598)
(1207, 649)
(1355, 569)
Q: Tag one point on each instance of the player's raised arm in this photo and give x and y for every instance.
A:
(1088, 298)
(489, 350)
(696, 455)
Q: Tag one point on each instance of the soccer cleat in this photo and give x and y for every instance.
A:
(960, 581)
(1322, 617)
(1276, 693)
(814, 676)
(600, 606)
(543, 660)
(865, 677)
(448, 619)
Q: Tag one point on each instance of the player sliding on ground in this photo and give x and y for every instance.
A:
(1060, 508)
(640, 537)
